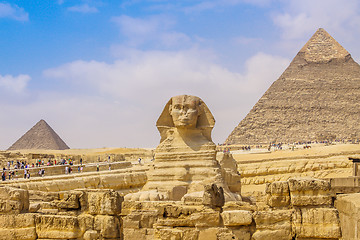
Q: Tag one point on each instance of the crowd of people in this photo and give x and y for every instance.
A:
(14, 170)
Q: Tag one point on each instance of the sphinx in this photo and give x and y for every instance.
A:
(185, 160)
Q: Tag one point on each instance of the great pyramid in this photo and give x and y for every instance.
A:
(316, 98)
(40, 136)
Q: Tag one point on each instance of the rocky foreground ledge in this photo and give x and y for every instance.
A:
(300, 208)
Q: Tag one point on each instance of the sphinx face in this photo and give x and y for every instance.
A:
(184, 111)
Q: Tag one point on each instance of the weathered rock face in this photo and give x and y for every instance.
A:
(314, 99)
(185, 160)
(349, 209)
(289, 215)
(13, 200)
(79, 214)
(17, 226)
(102, 214)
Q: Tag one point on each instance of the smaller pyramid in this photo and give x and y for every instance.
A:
(40, 136)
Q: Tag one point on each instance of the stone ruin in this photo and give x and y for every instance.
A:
(190, 192)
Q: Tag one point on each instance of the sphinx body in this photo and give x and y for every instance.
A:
(185, 160)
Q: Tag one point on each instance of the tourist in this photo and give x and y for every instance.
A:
(139, 160)
(109, 167)
(3, 177)
(97, 167)
(81, 169)
(28, 175)
(66, 170)
(80, 161)
(25, 172)
(42, 172)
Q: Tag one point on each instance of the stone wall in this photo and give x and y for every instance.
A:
(268, 171)
(349, 209)
(300, 208)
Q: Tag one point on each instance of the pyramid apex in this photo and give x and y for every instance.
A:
(322, 47)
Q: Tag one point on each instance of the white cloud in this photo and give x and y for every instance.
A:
(130, 93)
(247, 40)
(14, 84)
(154, 29)
(215, 4)
(299, 19)
(13, 12)
(84, 8)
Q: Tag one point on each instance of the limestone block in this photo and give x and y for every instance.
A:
(278, 194)
(43, 196)
(18, 226)
(108, 226)
(230, 171)
(205, 218)
(34, 207)
(242, 233)
(140, 219)
(13, 200)
(236, 217)
(168, 233)
(58, 227)
(134, 234)
(70, 200)
(48, 208)
(86, 222)
(106, 202)
(208, 234)
(348, 206)
(278, 234)
(132, 220)
(317, 223)
(213, 196)
(90, 235)
(308, 191)
(274, 224)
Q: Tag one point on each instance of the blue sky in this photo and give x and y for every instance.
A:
(100, 72)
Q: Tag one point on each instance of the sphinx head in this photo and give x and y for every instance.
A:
(186, 112)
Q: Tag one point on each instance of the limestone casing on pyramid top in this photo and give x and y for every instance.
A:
(40, 136)
(322, 47)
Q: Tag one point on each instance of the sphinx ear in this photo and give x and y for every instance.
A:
(170, 108)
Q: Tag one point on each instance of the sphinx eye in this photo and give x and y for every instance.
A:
(177, 106)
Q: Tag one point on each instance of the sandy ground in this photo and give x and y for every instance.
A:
(316, 150)
(95, 151)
